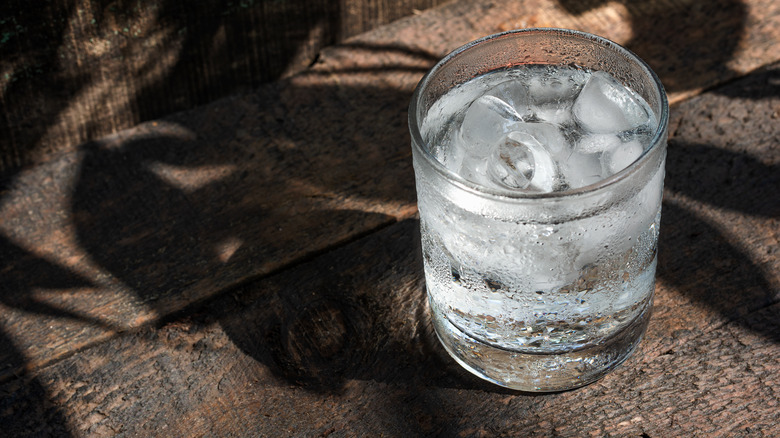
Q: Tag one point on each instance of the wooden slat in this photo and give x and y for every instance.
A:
(343, 345)
(76, 71)
(73, 71)
(123, 231)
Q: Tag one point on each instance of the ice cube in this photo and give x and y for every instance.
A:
(475, 169)
(512, 164)
(580, 170)
(525, 158)
(594, 143)
(486, 121)
(551, 88)
(547, 134)
(551, 97)
(606, 106)
(515, 94)
(617, 159)
(452, 157)
(554, 113)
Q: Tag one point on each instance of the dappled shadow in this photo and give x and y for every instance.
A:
(205, 201)
(27, 273)
(702, 264)
(182, 209)
(358, 313)
(220, 198)
(723, 178)
(694, 250)
(24, 403)
(123, 62)
(687, 43)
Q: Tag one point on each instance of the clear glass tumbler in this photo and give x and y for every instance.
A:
(539, 291)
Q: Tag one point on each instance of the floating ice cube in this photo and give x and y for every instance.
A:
(475, 169)
(532, 161)
(515, 94)
(512, 164)
(594, 143)
(580, 170)
(452, 157)
(617, 159)
(605, 106)
(553, 87)
(547, 134)
(486, 121)
(551, 97)
(554, 113)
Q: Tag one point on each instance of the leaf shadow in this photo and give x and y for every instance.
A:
(670, 36)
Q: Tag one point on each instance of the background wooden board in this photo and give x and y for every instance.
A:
(72, 71)
(121, 232)
(341, 345)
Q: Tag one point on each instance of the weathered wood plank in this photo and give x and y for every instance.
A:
(76, 71)
(343, 345)
(73, 71)
(121, 232)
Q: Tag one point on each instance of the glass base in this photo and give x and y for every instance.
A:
(540, 372)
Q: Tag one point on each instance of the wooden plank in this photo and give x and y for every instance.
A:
(73, 71)
(692, 46)
(343, 345)
(76, 71)
(123, 231)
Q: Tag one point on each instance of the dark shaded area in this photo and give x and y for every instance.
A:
(25, 273)
(25, 407)
(320, 325)
(138, 60)
(700, 262)
(761, 84)
(36, 78)
(659, 27)
(723, 178)
(168, 55)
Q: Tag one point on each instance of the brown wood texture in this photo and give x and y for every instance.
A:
(120, 232)
(251, 268)
(341, 345)
(73, 71)
(76, 71)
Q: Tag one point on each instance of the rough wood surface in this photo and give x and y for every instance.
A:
(72, 71)
(341, 345)
(120, 232)
(76, 71)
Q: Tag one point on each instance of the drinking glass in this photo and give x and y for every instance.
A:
(539, 291)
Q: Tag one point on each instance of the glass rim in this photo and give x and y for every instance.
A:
(655, 142)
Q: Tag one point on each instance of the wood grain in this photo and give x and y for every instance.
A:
(73, 71)
(342, 344)
(123, 232)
